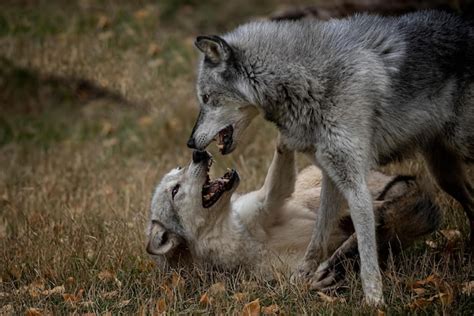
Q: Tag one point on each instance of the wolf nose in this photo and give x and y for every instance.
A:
(200, 156)
(191, 143)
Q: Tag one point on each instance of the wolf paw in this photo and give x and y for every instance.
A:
(326, 277)
(305, 272)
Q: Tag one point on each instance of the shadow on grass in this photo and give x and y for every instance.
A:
(25, 91)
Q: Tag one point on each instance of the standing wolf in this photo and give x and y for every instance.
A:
(353, 94)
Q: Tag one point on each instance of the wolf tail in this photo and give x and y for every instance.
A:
(405, 218)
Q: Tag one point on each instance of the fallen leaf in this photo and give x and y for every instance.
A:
(106, 275)
(141, 14)
(123, 303)
(273, 309)
(87, 304)
(419, 291)
(160, 306)
(432, 244)
(103, 22)
(107, 128)
(109, 295)
(240, 297)
(34, 312)
(55, 290)
(467, 288)
(380, 312)
(153, 49)
(35, 288)
(205, 300)
(252, 308)
(145, 121)
(70, 280)
(451, 234)
(217, 289)
(329, 299)
(73, 298)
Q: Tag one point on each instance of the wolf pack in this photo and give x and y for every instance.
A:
(353, 95)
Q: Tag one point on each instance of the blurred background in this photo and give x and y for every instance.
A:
(97, 101)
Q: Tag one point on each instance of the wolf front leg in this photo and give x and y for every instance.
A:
(344, 175)
(326, 218)
(281, 176)
(348, 168)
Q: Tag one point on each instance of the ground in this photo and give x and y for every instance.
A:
(96, 103)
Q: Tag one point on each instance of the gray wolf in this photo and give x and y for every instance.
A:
(197, 220)
(353, 94)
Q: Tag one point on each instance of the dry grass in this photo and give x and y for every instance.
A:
(97, 100)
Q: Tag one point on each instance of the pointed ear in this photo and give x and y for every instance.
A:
(161, 241)
(214, 48)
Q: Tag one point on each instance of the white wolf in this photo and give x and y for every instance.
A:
(195, 219)
(353, 94)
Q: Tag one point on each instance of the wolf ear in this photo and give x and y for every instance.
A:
(214, 48)
(161, 241)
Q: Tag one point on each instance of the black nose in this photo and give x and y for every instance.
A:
(200, 156)
(191, 143)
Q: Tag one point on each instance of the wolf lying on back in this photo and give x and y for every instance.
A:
(195, 218)
(353, 94)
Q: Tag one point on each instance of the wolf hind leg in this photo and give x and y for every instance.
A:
(449, 172)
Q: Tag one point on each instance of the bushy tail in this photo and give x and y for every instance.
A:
(405, 218)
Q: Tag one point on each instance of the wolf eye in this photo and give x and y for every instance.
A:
(175, 190)
(205, 98)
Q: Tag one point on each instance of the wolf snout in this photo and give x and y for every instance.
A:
(200, 156)
(191, 143)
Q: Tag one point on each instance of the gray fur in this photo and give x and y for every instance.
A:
(353, 94)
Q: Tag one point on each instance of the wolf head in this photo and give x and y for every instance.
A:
(186, 201)
(224, 92)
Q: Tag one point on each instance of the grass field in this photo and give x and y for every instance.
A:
(96, 103)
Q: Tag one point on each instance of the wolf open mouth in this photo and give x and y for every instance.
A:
(224, 139)
(212, 190)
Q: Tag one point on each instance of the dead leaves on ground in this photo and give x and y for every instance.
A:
(430, 290)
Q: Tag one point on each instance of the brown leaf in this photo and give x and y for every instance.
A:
(329, 299)
(109, 295)
(106, 275)
(432, 244)
(34, 312)
(35, 288)
(252, 308)
(240, 297)
(205, 300)
(153, 50)
(73, 298)
(467, 288)
(380, 312)
(160, 306)
(141, 14)
(55, 290)
(451, 234)
(217, 289)
(273, 309)
(419, 291)
(145, 121)
(123, 303)
(103, 22)
(70, 280)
